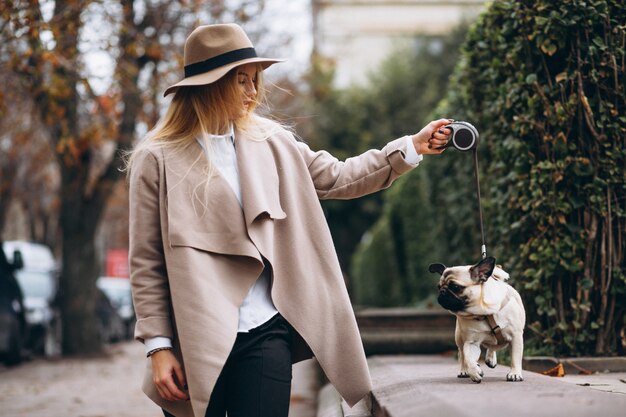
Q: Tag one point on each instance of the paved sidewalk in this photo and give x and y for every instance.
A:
(415, 385)
(614, 382)
(90, 387)
(109, 386)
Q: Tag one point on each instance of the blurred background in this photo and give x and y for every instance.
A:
(543, 81)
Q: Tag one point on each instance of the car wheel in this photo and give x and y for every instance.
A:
(14, 354)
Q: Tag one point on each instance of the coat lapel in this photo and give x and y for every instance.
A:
(203, 216)
(258, 175)
(260, 192)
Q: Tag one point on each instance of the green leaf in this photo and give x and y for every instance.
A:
(531, 78)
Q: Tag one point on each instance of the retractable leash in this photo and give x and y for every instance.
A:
(464, 138)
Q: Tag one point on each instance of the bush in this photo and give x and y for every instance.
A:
(545, 84)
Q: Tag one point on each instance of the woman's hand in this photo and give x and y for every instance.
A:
(432, 136)
(165, 367)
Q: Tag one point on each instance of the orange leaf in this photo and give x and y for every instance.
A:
(558, 371)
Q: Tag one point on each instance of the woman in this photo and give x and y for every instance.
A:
(233, 268)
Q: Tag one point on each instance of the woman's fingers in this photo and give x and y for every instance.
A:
(164, 367)
(440, 134)
(175, 393)
(168, 389)
(180, 376)
(439, 137)
(432, 138)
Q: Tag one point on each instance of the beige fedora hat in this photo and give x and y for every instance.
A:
(213, 50)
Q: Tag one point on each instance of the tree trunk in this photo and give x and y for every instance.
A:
(5, 199)
(78, 218)
(79, 294)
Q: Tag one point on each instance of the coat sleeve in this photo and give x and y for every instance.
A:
(369, 172)
(148, 276)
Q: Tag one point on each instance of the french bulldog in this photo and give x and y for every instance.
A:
(489, 313)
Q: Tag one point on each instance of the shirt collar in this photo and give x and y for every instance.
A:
(230, 135)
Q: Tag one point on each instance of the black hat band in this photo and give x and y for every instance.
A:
(219, 61)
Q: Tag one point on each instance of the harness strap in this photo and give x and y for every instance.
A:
(495, 329)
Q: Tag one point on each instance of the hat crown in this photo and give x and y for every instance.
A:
(209, 41)
(211, 51)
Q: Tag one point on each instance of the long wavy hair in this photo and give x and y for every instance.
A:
(195, 112)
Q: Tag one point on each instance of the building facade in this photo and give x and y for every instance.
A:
(358, 34)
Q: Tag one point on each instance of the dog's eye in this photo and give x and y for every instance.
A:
(453, 286)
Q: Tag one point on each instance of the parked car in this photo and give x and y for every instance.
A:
(119, 294)
(110, 325)
(13, 326)
(38, 280)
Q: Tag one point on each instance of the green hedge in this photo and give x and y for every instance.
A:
(544, 82)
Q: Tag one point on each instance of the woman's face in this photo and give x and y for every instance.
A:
(246, 80)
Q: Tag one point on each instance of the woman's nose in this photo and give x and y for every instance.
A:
(250, 88)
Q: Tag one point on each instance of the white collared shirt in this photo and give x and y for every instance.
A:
(257, 307)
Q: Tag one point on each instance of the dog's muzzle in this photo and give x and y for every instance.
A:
(450, 301)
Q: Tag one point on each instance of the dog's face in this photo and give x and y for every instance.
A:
(457, 285)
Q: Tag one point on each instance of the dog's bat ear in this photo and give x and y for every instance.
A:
(483, 269)
(438, 268)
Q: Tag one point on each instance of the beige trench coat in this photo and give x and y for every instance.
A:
(194, 256)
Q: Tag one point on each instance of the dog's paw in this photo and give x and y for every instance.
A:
(476, 377)
(463, 374)
(491, 364)
(475, 373)
(514, 377)
(491, 359)
(480, 371)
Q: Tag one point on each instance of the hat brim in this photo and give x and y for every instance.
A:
(214, 75)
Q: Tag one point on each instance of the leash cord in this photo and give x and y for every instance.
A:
(483, 248)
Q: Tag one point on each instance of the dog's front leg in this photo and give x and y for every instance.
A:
(458, 339)
(517, 349)
(471, 354)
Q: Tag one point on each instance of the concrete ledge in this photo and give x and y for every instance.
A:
(416, 385)
(393, 341)
(575, 366)
(405, 318)
(406, 330)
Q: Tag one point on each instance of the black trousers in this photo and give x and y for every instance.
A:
(256, 379)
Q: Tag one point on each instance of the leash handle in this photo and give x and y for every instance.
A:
(483, 248)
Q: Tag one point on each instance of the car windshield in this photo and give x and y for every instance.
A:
(36, 284)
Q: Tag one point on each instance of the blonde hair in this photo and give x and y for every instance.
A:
(195, 112)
